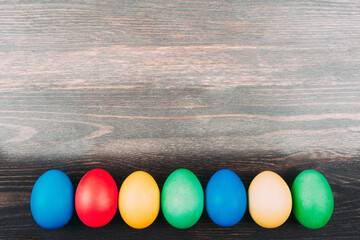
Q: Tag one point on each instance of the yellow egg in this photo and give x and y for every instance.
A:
(270, 200)
(139, 200)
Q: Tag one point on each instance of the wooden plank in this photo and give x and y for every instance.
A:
(160, 85)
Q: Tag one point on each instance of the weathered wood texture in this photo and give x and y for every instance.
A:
(159, 85)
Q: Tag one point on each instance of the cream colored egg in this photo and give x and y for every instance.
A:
(270, 200)
(139, 200)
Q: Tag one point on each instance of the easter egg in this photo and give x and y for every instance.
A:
(139, 200)
(313, 201)
(96, 198)
(270, 200)
(182, 199)
(52, 200)
(225, 198)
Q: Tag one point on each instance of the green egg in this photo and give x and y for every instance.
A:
(182, 199)
(313, 201)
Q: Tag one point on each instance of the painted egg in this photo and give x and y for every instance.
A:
(139, 200)
(182, 199)
(270, 200)
(52, 200)
(96, 198)
(313, 199)
(225, 198)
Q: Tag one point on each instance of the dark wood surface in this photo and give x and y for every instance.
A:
(160, 85)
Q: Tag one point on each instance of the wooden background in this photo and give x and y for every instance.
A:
(159, 85)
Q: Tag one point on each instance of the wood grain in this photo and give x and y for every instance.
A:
(159, 85)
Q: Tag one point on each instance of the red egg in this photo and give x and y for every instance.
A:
(96, 198)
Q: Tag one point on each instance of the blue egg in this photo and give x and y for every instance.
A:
(52, 200)
(225, 198)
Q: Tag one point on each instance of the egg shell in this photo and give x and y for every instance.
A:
(52, 200)
(225, 198)
(182, 199)
(313, 201)
(96, 198)
(270, 200)
(139, 200)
